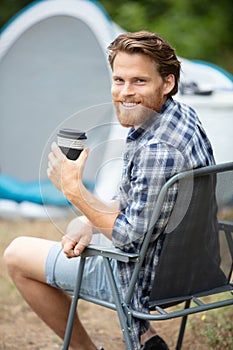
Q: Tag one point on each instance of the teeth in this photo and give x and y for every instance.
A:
(129, 104)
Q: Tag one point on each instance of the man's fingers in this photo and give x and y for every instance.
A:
(68, 248)
(56, 150)
(71, 248)
(79, 248)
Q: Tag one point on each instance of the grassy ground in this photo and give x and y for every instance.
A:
(21, 329)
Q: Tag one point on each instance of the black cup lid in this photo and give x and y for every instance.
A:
(72, 133)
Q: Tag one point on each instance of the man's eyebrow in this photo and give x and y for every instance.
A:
(116, 75)
(140, 77)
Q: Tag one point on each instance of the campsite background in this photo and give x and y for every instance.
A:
(198, 30)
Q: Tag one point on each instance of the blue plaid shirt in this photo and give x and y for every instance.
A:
(171, 141)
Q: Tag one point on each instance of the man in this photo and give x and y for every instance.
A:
(164, 137)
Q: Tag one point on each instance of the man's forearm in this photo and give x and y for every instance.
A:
(66, 176)
(101, 215)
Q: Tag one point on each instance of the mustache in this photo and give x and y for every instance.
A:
(128, 100)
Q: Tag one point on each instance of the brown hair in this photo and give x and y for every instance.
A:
(152, 45)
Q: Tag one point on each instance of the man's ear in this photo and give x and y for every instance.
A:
(168, 84)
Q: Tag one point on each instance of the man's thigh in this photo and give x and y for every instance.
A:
(29, 255)
(61, 272)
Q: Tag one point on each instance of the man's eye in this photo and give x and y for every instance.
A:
(118, 81)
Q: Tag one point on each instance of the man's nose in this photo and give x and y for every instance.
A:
(127, 90)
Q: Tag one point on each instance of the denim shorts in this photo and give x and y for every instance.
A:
(61, 273)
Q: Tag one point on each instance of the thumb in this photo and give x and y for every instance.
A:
(81, 161)
(79, 248)
(83, 156)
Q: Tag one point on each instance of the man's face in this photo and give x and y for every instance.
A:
(138, 90)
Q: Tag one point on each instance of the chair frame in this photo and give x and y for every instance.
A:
(192, 304)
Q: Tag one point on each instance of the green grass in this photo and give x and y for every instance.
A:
(215, 328)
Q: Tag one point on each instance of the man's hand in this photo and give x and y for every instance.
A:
(69, 247)
(78, 236)
(65, 174)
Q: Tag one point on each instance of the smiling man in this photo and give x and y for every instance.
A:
(165, 137)
(138, 90)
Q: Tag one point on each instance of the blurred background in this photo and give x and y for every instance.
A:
(197, 29)
(54, 73)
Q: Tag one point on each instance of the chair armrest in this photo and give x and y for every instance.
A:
(226, 226)
(109, 252)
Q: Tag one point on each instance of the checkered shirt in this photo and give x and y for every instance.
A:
(171, 141)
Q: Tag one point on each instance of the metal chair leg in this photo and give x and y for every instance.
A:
(182, 327)
(73, 306)
(124, 318)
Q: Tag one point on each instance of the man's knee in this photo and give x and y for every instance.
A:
(11, 255)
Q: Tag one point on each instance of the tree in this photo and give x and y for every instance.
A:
(8, 9)
(197, 29)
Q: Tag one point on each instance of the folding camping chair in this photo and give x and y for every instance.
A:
(196, 257)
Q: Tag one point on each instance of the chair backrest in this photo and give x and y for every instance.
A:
(190, 260)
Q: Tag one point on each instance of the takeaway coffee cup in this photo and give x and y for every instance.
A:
(71, 142)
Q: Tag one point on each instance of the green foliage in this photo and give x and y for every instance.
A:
(217, 329)
(8, 9)
(197, 29)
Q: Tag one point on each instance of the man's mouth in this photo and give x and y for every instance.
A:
(129, 105)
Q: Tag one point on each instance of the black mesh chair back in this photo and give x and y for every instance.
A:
(190, 260)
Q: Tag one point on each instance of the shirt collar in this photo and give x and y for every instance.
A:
(166, 105)
(134, 134)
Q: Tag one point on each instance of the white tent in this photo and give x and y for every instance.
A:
(53, 64)
(215, 109)
(54, 69)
